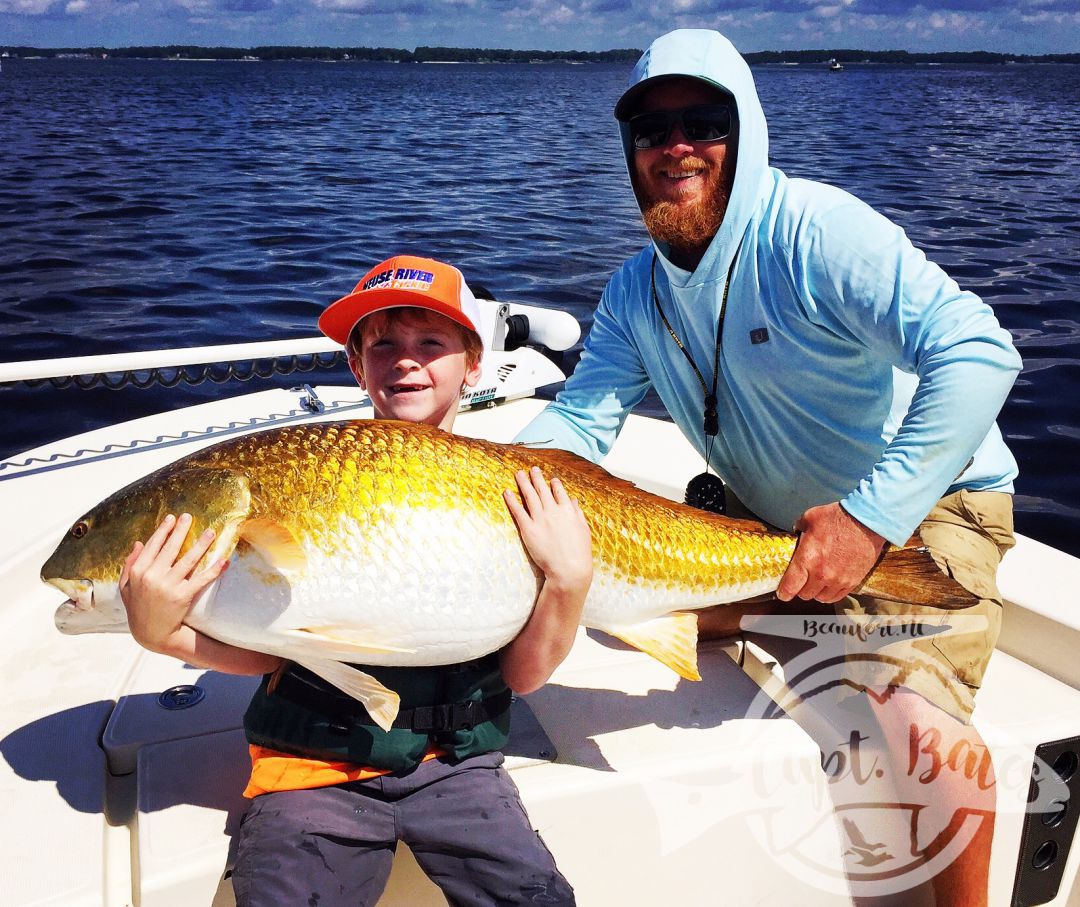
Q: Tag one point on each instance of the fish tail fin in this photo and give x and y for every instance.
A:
(381, 703)
(912, 575)
(671, 640)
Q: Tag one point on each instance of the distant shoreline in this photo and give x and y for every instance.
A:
(481, 55)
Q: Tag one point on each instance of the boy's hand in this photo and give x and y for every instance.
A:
(158, 590)
(553, 529)
(557, 538)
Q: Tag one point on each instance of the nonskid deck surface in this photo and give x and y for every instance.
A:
(671, 776)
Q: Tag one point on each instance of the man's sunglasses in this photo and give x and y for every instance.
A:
(700, 123)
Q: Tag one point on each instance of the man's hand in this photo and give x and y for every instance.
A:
(834, 554)
(158, 589)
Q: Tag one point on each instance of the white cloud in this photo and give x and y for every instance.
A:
(688, 17)
(1048, 18)
(558, 16)
(956, 22)
(829, 10)
(349, 6)
(544, 12)
(96, 7)
(25, 7)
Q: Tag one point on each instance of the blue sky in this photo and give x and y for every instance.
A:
(1011, 26)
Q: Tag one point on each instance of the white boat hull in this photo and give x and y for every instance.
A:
(662, 791)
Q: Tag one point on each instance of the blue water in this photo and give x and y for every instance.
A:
(157, 204)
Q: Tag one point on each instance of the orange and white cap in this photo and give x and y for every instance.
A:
(404, 280)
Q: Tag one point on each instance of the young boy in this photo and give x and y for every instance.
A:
(332, 792)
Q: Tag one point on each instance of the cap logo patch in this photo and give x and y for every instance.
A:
(400, 279)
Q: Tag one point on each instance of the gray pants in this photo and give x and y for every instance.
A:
(334, 846)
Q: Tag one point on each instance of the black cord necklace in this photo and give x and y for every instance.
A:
(705, 491)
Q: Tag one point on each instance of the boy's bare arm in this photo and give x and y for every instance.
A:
(158, 590)
(557, 538)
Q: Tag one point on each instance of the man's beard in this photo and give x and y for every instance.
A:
(687, 226)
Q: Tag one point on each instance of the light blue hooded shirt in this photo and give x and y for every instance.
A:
(878, 383)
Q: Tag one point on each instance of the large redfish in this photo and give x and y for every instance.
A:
(387, 543)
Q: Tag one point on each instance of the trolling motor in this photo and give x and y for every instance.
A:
(518, 325)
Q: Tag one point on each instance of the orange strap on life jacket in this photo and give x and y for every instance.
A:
(272, 771)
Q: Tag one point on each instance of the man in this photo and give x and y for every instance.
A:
(839, 383)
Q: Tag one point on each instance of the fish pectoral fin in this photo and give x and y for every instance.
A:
(671, 640)
(382, 704)
(275, 542)
(341, 637)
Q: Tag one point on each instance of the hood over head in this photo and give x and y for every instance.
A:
(710, 57)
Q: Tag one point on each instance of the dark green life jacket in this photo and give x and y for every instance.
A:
(464, 709)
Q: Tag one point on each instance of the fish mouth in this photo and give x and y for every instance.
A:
(80, 593)
(88, 610)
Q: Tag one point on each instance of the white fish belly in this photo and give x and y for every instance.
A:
(440, 585)
(617, 599)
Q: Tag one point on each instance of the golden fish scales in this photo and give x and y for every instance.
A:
(375, 465)
(319, 504)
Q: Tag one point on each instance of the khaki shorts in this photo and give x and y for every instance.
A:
(941, 655)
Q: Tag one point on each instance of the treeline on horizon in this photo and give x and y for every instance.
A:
(488, 55)
(902, 56)
(340, 54)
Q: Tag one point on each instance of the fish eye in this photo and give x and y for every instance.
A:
(80, 529)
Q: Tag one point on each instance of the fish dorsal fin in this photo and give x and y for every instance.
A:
(578, 474)
(275, 542)
(342, 637)
(671, 640)
(382, 704)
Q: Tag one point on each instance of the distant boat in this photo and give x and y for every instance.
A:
(835, 66)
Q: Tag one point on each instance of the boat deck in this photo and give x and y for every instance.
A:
(646, 788)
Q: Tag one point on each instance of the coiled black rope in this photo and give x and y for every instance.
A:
(219, 373)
